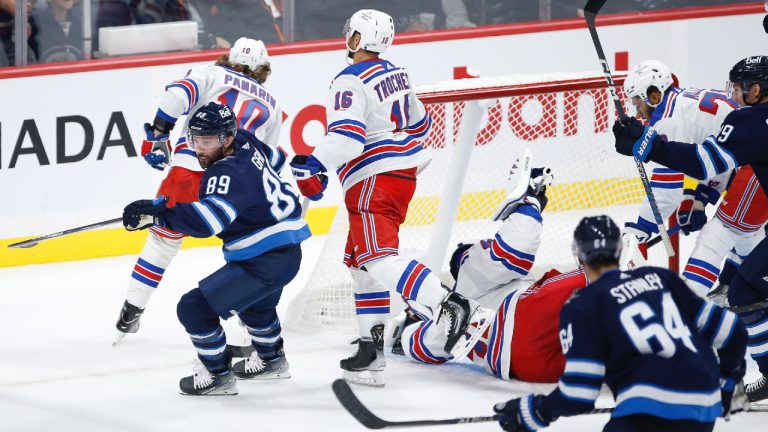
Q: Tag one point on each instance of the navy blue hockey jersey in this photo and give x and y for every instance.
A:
(245, 202)
(740, 141)
(650, 339)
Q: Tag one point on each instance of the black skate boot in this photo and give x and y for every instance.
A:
(204, 383)
(365, 366)
(128, 321)
(254, 368)
(457, 311)
(758, 390)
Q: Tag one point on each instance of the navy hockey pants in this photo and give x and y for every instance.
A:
(251, 288)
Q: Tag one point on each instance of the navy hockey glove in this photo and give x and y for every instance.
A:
(308, 172)
(156, 148)
(142, 214)
(691, 215)
(634, 139)
(522, 414)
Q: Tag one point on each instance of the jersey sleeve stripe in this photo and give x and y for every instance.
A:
(705, 315)
(209, 217)
(586, 368)
(725, 329)
(648, 391)
(580, 393)
(758, 350)
(349, 134)
(165, 116)
(510, 257)
(224, 205)
(346, 122)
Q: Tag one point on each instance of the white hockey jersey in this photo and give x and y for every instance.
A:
(375, 123)
(684, 115)
(256, 109)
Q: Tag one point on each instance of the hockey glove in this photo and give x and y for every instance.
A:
(643, 230)
(522, 414)
(691, 215)
(308, 172)
(142, 214)
(634, 139)
(156, 148)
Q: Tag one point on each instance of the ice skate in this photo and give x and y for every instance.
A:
(366, 365)
(758, 390)
(458, 312)
(255, 368)
(204, 383)
(128, 321)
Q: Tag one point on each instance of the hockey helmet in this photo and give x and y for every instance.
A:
(211, 125)
(749, 71)
(376, 28)
(597, 238)
(248, 52)
(647, 74)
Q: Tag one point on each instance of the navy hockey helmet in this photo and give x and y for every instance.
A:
(597, 238)
(749, 71)
(211, 120)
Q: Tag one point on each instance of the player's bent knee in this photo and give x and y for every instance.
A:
(194, 312)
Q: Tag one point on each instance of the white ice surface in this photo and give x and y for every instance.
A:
(58, 371)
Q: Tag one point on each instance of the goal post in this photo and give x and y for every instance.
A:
(479, 127)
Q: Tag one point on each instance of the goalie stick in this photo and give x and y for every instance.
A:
(352, 404)
(591, 10)
(33, 242)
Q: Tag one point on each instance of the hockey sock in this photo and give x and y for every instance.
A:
(264, 329)
(150, 267)
(700, 275)
(424, 343)
(371, 301)
(212, 350)
(412, 279)
(757, 329)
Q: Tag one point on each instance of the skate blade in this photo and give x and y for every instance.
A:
(118, 338)
(478, 323)
(277, 376)
(229, 391)
(367, 378)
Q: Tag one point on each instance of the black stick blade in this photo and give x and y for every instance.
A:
(594, 6)
(23, 245)
(356, 408)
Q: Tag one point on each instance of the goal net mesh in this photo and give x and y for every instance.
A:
(565, 120)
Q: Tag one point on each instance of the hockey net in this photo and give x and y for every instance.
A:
(480, 126)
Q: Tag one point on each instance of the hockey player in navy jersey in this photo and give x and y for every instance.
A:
(235, 80)
(740, 141)
(245, 202)
(375, 128)
(648, 337)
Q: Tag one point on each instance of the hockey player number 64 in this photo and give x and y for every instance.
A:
(638, 321)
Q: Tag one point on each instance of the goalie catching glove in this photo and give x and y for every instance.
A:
(309, 175)
(156, 148)
(142, 214)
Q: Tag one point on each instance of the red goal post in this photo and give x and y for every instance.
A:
(479, 126)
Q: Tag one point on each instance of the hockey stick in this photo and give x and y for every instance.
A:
(352, 404)
(656, 240)
(590, 13)
(33, 242)
(749, 308)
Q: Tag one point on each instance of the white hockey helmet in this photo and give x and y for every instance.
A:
(376, 28)
(248, 52)
(647, 74)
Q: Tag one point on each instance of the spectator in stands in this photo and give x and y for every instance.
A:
(489, 12)
(8, 36)
(158, 11)
(60, 32)
(226, 21)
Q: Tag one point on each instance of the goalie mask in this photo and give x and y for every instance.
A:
(597, 239)
(647, 74)
(377, 31)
